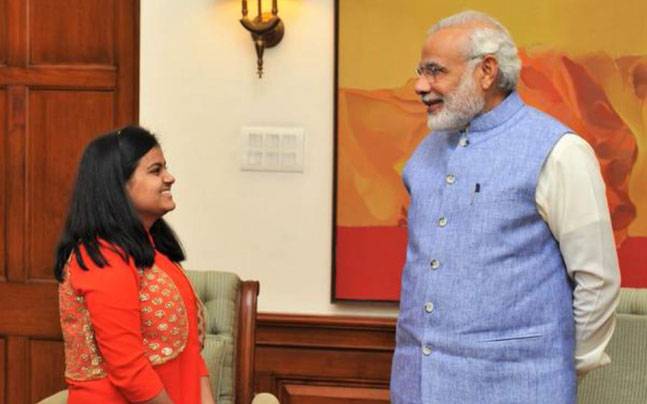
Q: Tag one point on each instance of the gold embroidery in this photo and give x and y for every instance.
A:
(83, 359)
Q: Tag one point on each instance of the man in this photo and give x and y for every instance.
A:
(511, 278)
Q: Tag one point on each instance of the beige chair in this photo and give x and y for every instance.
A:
(230, 341)
(624, 381)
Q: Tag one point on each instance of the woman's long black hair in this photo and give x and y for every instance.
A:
(100, 208)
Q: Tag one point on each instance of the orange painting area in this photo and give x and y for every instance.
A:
(600, 98)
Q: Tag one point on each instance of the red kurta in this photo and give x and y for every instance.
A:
(112, 297)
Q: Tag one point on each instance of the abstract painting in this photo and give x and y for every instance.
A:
(584, 62)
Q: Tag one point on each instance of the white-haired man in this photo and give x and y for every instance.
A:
(511, 278)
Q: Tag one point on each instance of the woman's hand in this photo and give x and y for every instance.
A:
(161, 398)
(205, 391)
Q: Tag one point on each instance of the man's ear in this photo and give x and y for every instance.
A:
(489, 69)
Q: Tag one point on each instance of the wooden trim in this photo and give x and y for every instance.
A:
(99, 77)
(325, 331)
(245, 348)
(326, 321)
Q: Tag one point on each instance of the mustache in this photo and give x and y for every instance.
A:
(429, 97)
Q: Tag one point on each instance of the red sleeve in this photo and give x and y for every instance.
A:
(112, 298)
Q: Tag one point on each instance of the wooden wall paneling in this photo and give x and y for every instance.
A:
(327, 359)
(321, 364)
(127, 57)
(16, 32)
(60, 125)
(3, 32)
(15, 183)
(17, 370)
(46, 355)
(313, 394)
(3, 367)
(3, 182)
(29, 309)
(71, 32)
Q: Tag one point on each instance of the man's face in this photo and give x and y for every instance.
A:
(447, 84)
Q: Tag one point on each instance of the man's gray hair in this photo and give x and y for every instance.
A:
(492, 39)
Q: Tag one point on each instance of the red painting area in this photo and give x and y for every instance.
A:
(369, 262)
(633, 257)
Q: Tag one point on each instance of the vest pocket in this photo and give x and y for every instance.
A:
(508, 338)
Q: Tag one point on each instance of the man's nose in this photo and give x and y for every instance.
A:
(422, 86)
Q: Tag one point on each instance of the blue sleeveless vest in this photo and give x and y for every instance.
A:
(486, 313)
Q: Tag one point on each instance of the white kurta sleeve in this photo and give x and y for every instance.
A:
(571, 198)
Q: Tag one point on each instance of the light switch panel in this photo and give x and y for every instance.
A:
(266, 148)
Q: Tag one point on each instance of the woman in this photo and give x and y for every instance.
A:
(131, 322)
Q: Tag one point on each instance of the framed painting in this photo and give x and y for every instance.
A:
(584, 62)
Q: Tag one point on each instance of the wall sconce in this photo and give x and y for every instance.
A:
(266, 28)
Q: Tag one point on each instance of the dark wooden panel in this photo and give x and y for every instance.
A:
(15, 183)
(3, 32)
(17, 370)
(51, 356)
(3, 182)
(324, 364)
(16, 32)
(324, 359)
(29, 309)
(71, 31)
(3, 367)
(309, 394)
(60, 124)
(74, 77)
(127, 33)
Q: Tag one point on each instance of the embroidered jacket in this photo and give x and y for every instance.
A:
(164, 324)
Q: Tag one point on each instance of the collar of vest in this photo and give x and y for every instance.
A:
(498, 115)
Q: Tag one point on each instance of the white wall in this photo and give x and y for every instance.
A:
(198, 88)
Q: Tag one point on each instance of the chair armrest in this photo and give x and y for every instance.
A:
(246, 341)
(265, 398)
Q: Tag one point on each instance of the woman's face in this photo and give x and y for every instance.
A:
(149, 187)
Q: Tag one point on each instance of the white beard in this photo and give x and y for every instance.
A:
(459, 106)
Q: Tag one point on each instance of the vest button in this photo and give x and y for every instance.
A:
(450, 179)
(463, 142)
(435, 264)
(429, 307)
(426, 350)
(442, 222)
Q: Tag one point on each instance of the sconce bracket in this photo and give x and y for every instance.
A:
(273, 37)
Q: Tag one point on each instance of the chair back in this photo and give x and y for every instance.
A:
(624, 380)
(230, 340)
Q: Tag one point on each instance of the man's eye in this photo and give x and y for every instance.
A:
(434, 70)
